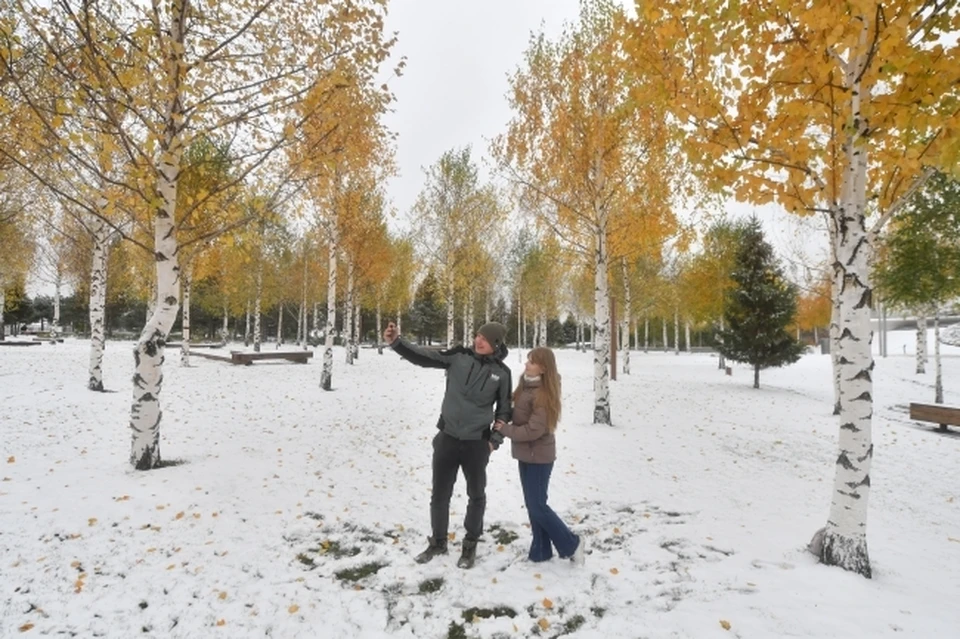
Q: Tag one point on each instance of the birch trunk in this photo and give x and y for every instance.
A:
(601, 334)
(185, 324)
(348, 313)
(57, 284)
(676, 332)
(316, 313)
(721, 360)
(666, 339)
(225, 334)
(326, 377)
(246, 328)
(543, 329)
(835, 309)
(256, 307)
(921, 342)
(379, 327)
(3, 301)
(646, 334)
(468, 322)
(938, 383)
(145, 414)
(98, 303)
(686, 335)
(279, 327)
(845, 537)
(399, 320)
(450, 302)
(357, 327)
(519, 329)
(627, 305)
(816, 336)
(486, 306)
(466, 329)
(300, 311)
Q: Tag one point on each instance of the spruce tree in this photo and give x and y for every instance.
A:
(758, 307)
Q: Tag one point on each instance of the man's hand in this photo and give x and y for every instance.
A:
(498, 425)
(492, 447)
(391, 333)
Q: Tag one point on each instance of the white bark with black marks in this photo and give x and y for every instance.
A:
(835, 303)
(601, 330)
(845, 536)
(246, 328)
(145, 413)
(627, 305)
(676, 331)
(3, 301)
(379, 327)
(357, 337)
(256, 307)
(450, 305)
(666, 339)
(279, 327)
(646, 334)
(225, 332)
(348, 313)
(921, 343)
(938, 382)
(326, 376)
(185, 322)
(98, 303)
(686, 335)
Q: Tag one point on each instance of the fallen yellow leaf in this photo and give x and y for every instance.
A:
(494, 580)
(954, 539)
(501, 548)
(452, 536)
(222, 595)
(25, 627)
(614, 571)
(543, 623)
(292, 609)
(616, 531)
(221, 622)
(725, 624)
(536, 575)
(11, 459)
(92, 521)
(179, 515)
(547, 603)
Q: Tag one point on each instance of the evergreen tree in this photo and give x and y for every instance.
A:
(758, 308)
(428, 313)
(919, 264)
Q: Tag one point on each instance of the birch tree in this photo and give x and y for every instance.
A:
(579, 145)
(451, 213)
(834, 109)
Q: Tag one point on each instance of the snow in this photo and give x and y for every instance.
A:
(697, 504)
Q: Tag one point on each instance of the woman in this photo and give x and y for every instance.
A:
(536, 411)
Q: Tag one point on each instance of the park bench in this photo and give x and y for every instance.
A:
(246, 359)
(19, 343)
(936, 413)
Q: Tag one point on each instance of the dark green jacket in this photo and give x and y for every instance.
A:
(478, 388)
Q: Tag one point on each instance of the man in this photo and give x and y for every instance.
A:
(478, 391)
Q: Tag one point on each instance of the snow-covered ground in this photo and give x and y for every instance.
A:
(697, 506)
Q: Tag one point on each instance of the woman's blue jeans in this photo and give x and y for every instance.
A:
(548, 529)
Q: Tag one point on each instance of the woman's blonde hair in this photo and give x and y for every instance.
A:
(548, 395)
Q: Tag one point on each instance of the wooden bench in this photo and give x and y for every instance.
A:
(936, 413)
(246, 359)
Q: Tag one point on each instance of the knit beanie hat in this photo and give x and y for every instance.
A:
(493, 332)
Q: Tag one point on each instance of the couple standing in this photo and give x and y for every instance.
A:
(478, 392)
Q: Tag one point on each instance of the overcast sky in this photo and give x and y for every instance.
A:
(453, 93)
(453, 90)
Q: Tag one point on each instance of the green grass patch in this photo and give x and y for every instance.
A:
(360, 572)
(456, 631)
(306, 560)
(431, 585)
(503, 537)
(485, 613)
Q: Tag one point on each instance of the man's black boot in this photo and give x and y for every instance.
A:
(468, 556)
(434, 548)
